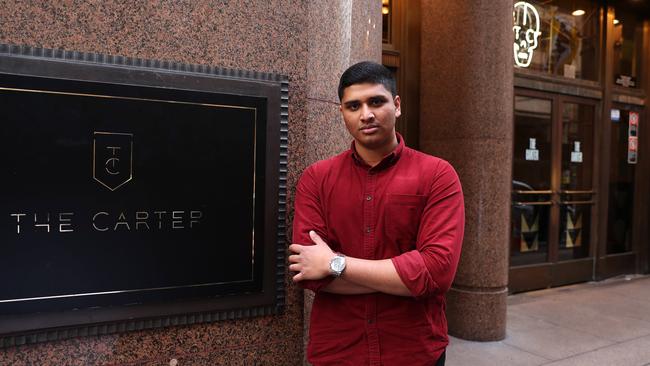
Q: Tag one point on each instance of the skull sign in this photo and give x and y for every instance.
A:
(526, 28)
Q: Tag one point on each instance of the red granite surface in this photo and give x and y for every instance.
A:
(311, 42)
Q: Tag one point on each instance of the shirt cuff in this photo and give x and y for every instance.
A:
(316, 285)
(414, 274)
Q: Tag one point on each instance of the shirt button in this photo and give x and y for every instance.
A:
(368, 229)
(368, 197)
(370, 321)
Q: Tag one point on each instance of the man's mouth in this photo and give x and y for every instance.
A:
(370, 129)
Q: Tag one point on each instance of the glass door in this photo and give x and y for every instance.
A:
(553, 191)
(618, 256)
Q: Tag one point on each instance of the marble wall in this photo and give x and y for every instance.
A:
(311, 42)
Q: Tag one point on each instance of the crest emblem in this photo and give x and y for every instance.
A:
(112, 159)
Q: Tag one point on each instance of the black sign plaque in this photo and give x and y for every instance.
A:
(136, 193)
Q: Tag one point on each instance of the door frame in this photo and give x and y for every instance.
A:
(610, 265)
(554, 272)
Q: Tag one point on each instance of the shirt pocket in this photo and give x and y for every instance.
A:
(402, 219)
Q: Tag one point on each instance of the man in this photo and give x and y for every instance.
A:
(377, 234)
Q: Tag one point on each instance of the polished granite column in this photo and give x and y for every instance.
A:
(466, 118)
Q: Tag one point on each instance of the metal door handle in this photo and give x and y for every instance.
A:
(577, 202)
(533, 192)
(534, 203)
(576, 192)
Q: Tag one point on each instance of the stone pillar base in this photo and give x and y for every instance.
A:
(477, 314)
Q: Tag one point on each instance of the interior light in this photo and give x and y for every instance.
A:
(384, 2)
(616, 21)
(578, 12)
(384, 10)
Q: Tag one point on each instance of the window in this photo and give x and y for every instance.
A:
(566, 41)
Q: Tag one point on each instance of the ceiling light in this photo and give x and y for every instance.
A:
(384, 2)
(578, 12)
(384, 10)
(616, 21)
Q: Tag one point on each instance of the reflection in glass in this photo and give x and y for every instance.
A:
(568, 43)
(577, 146)
(621, 189)
(386, 20)
(576, 195)
(628, 45)
(531, 181)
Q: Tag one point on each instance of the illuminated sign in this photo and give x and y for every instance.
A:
(527, 31)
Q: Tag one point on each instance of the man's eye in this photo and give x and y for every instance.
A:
(353, 107)
(376, 102)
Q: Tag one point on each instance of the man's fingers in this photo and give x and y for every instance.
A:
(295, 248)
(316, 238)
(297, 277)
(295, 267)
(294, 258)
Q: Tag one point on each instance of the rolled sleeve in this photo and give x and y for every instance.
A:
(430, 269)
(308, 216)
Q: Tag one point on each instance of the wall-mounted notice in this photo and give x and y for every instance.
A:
(532, 154)
(615, 115)
(576, 154)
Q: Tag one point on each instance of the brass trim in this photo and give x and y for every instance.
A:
(591, 202)
(123, 97)
(533, 192)
(533, 203)
(576, 192)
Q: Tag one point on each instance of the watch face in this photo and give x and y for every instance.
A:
(338, 264)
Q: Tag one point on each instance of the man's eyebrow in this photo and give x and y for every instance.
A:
(372, 97)
(351, 102)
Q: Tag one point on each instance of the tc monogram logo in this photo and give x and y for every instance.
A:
(112, 158)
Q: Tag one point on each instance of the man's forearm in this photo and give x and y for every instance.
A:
(312, 263)
(378, 275)
(343, 287)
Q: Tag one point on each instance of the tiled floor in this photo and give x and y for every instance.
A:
(603, 323)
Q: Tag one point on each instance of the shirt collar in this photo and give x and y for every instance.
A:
(387, 161)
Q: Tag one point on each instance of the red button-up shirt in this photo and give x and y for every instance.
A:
(408, 208)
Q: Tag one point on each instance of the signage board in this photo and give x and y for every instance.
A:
(633, 139)
(625, 81)
(136, 189)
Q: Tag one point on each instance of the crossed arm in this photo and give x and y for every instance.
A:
(361, 276)
(426, 270)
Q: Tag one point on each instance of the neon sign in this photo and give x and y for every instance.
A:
(526, 28)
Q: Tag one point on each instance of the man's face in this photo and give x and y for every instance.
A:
(369, 112)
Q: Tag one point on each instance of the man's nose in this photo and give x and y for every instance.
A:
(366, 113)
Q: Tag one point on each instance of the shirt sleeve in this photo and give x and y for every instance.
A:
(430, 269)
(308, 215)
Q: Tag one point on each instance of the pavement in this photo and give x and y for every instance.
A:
(596, 323)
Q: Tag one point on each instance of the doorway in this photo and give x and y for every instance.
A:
(554, 190)
(618, 254)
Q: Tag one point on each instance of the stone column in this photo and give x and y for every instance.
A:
(467, 119)
(343, 32)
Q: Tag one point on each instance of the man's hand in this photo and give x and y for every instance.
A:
(312, 262)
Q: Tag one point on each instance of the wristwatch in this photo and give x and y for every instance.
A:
(337, 265)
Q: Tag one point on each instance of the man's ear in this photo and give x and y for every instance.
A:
(398, 106)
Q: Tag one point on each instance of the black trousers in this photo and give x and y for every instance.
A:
(441, 360)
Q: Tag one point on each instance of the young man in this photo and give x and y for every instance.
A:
(377, 234)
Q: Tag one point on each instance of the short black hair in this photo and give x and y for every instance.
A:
(367, 72)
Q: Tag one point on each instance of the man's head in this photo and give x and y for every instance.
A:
(367, 72)
(370, 106)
